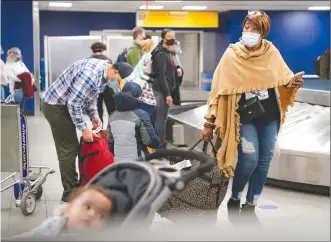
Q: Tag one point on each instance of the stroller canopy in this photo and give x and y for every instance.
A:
(132, 185)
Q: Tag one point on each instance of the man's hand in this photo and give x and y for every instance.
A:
(87, 135)
(96, 122)
(169, 100)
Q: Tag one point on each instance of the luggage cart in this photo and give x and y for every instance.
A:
(15, 160)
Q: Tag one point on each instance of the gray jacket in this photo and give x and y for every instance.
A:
(130, 130)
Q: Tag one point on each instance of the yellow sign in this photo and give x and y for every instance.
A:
(177, 19)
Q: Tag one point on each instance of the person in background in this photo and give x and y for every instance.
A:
(98, 49)
(325, 65)
(251, 71)
(143, 76)
(164, 83)
(14, 67)
(4, 78)
(73, 93)
(130, 129)
(179, 75)
(135, 52)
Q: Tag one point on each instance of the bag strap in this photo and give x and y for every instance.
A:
(205, 146)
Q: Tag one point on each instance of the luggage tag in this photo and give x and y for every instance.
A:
(182, 165)
(97, 130)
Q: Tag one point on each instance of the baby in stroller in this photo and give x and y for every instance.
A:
(88, 209)
(125, 193)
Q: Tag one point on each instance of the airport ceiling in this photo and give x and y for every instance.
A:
(133, 6)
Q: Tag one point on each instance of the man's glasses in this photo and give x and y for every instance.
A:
(255, 12)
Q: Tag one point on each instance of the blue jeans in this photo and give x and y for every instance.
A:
(255, 153)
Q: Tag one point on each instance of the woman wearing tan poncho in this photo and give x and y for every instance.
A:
(251, 79)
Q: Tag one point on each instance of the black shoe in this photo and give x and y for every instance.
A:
(233, 210)
(248, 216)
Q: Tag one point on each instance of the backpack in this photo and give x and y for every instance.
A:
(317, 66)
(122, 57)
(93, 157)
(148, 66)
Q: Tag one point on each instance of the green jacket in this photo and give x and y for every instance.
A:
(134, 54)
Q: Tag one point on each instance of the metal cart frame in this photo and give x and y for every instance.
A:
(28, 188)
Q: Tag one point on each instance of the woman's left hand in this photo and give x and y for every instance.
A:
(296, 83)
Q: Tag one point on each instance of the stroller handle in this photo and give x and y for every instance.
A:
(207, 162)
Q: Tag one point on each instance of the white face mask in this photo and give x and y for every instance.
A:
(250, 39)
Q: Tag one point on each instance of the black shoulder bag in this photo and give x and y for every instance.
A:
(252, 109)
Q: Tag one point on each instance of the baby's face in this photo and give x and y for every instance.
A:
(88, 211)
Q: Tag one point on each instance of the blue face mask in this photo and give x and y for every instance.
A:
(113, 84)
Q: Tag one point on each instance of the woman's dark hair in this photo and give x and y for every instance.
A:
(98, 47)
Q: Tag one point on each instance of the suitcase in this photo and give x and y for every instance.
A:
(93, 157)
(201, 197)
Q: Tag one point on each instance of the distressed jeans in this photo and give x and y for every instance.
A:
(255, 153)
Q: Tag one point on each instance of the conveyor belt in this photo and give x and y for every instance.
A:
(307, 127)
(304, 142)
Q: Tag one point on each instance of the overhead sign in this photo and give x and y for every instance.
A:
(176, 19)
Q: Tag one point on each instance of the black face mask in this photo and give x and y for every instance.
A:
(170, 41)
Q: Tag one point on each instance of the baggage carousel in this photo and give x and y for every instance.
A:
(302, 161)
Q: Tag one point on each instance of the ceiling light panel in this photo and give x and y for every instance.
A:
(194, 8)
(60, 4)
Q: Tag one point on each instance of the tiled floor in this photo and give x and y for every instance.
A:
(289, 207)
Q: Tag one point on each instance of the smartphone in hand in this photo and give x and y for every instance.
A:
(299, 75)
(296, 81)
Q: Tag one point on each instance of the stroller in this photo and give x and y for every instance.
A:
(139, 189)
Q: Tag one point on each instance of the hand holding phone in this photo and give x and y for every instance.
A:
(297, 81)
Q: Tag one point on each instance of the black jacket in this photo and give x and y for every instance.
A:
(164, 70)
(102, 57)
(179, 79)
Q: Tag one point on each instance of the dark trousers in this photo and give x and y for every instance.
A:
(66, 144)
(161, 115)
(107, 97)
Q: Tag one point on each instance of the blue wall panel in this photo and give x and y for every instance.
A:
(17, 31)
(300, 36)
(56, 23)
